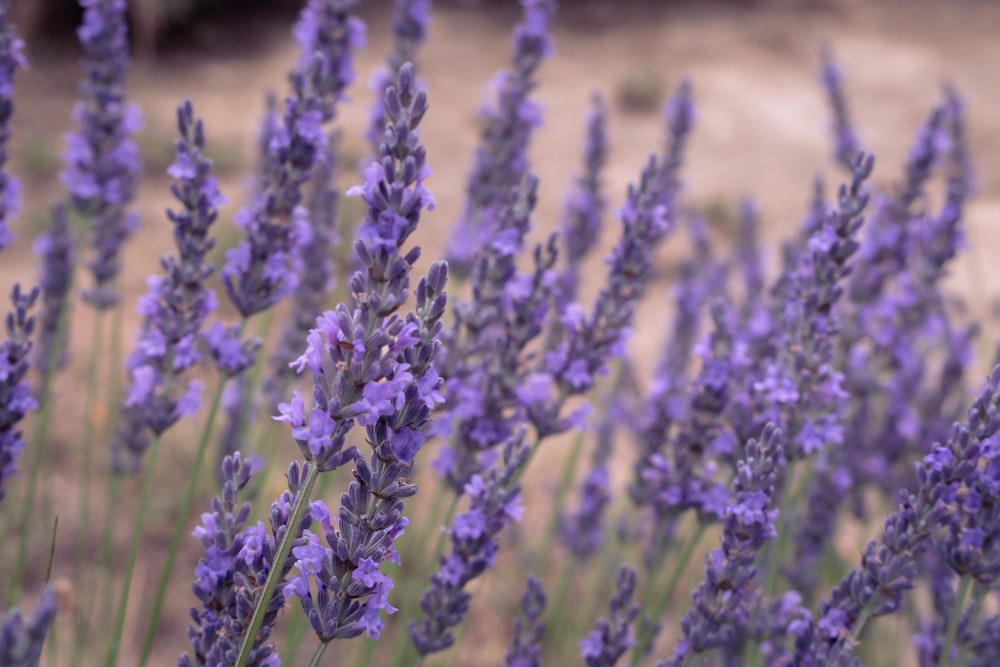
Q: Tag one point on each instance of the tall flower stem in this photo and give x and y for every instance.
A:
(664, 599)
(182, 515)
(281, 555)
(964, 583)
(978, 598)
(140, 521)
(318, 654)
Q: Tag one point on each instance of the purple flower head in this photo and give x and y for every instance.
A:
(259, 272)
(102, 161)
(57, 250)
(21, 640)
(585, 204)
(889, 566)
(613, 635)
(529, 629)
(846, 144)
(327, 29)
(494, 500)
(179, 300)
(237, 560)
(15, 396)
(11, 59)
(719, 601)
(409, 30)
(501, 160)
(372, 366)
(317, 276)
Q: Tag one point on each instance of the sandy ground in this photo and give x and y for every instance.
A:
(762, 130)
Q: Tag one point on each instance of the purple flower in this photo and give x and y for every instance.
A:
(15, 396)
(409, 30)
(22, 641)
(102, 161)
(494, 500)
(585, 204)
(501, 160)
(374, 366)
(237, 560)
(11, 58)
(529, 629)
(613, 636)
(846, 144)
(57, 250)
(178, 301)
(714, 617)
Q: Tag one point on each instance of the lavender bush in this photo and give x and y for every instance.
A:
(785, 411)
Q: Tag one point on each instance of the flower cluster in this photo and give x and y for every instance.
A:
(237, 561)
(529, 628)
(22, 641)
(102, 161)
(15, 396)
(501, 161)
(56, 248)
(719, 602)
(494, 501)
(11, 58)
(178, 302)
(409, 30)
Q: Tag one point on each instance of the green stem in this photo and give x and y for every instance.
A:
(978, 598)
(179, 525)
(318, 654)
(140, 522)
(668, 593)
(277, 565)
(956, 612)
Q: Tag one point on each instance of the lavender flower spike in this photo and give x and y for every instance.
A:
(11, 58)
(15, 397)
(375, 368)
(57, 248)
(945, 478)
(494, 501)
(526, 650)
(585, 205)
(720, 601)
(846, 144)
(613, 636)
(501, 160)
(237, 561)
(102, 161)
(179, 300)
(21, 642)
(409, 30)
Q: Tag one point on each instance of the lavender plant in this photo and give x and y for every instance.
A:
(11, 58)
(102, 161)
(15, 395)
(782, 411)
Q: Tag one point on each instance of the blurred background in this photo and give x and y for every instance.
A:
(762, 130)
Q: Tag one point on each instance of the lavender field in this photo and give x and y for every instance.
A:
(383, 334)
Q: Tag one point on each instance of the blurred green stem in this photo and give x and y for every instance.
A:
(565, 482)
(978, 598)
(133, 552)
(318, 654)
(944, 659)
